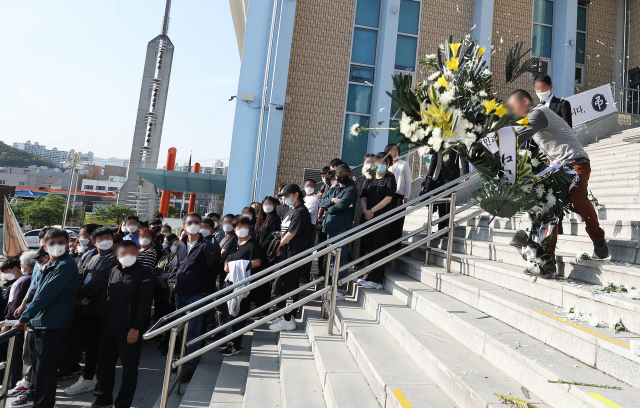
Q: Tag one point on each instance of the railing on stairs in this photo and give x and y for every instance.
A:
(10, 336)
(627, 99)
(178, 321)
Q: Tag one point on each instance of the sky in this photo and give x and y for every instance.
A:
(70, 75)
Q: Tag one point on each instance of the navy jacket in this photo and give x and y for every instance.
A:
(196, 273)
(340, 215)
(52, 304)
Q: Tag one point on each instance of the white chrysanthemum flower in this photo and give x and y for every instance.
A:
(437, 132)
(540, 191)
(535, 162)
(470, 139)
(447, 96)
(468, 85)
(365, 170)
(486, 72)
(419, 134)
(482, 93)
(354, 129)
(527, 188)
(424, 150)
(536, 209)
(477, 128)
(614, 322)
(430, 57)
(405, 125)
(447, 72)
(551, 200)
(594, 322)
(549, 191)
(434, 76)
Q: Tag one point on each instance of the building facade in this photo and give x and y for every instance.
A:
(311, 69)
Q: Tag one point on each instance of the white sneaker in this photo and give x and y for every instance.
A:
(367, 284)
(81, 387)
(277, 319)
(283, 324)
(21, 387)
(339, 296)
(377, 286)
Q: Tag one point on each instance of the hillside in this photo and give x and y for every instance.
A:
(12, 157)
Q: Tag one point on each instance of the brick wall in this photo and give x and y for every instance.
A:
(634, 52)
(601, 39)
(317, 85)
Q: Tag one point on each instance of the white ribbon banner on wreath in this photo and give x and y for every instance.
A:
(591, 104)
(508, 157)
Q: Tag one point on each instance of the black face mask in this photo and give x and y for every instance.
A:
(344, 179)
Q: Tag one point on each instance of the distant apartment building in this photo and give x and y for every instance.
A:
(218, 168)
(57, 157)
(101, 186)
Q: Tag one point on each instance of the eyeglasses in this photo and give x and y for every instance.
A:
(192, 222)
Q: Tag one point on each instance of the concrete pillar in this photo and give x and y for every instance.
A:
(564, 54)
(381, 106)
(619, 74)
(244, 141)
(192, 196)
(165, 199)
(483, 26)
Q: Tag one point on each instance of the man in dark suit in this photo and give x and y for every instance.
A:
(561, 107)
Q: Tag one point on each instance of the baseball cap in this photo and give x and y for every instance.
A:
(290, 189)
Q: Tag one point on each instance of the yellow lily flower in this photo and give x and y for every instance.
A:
(524, 121)
(452, 64)
(442, 81)
(454, 48)
(501, 110)
(490, 106)
(481, 51)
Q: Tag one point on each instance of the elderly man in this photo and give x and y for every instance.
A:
(561, 146)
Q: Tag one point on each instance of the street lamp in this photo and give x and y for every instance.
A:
(74, 162)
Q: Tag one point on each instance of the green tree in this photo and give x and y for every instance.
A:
(112, 213)
(40, 212)
(12, 157)
(173, 212)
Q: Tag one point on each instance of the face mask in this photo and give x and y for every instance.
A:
(242, 232)
(166, 234)
(7, 277)
(334, 182)
(288, 201)
(543, 95)
(343, 179)
(309, 190)
(381, 169)
(82, 249)
(23, 270)
(205, 231)
(215, 224)
(144, 241)
(248, 216)
(193, 228)
(165, 246)
(56, 250)
(84, 241)
(227, 227)
(128, 260)
(268, 208)
(132, 229)
(105, 245)
(174, 249)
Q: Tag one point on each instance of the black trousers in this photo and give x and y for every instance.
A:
(45, 348)
(305, 270)
(376, 240)
(113, 345)
(322, 261)
(71, 352)
(285, 284)
(15, 371)
(262, 294)
(395, 228)
(442, 209)
(91, 327)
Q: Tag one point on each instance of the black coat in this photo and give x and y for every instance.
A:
(196, 272)
(129, 298)
(96, 289)
(562, 108)
(450, 169)
(265, 236)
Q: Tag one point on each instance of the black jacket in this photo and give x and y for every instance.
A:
(562, 108)
(129, 298)
(449, 169)
(195, 273)
(266, 236)
(99, 267)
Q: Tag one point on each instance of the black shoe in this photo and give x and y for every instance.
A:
(304, 280)
(230, 350)
(187, 375)
(601, 250)
(24, 400)
(224, 346)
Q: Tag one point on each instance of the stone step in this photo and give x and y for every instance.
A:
(468, 379)
(391, 373)
(232, 380)
(299, 382)
(540, 320)
(613, 197)
(612, 146)
(614, 183)
(263, 379)
(624, 172)
(619, 212)
(582, 296)
(476, 320)
(343, 383)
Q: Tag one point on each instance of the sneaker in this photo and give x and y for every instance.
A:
(24, 400)
(601, 250)
(277, 319)
(21, 387)
(367, 284)
(377, 286)
(339, 296)
(187, 375)
(283, 324)
(230, 350)
(81, 387)
(224, 346)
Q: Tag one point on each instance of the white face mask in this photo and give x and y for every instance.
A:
(24, 270)
(166, 233)
(215, 224)
(242, 232)
(105, 245)
(82, 249)
(193, 228)
(7, 277)
(145, 241)
(84, 241)
(128, 260)
(334, 182)
(165, 245)
(268, 208)
(309, 190)
(543, 95)
(205, 231)
(248, 216)
(132, 229)
(56, 250)
(227, 227)
(174, 249)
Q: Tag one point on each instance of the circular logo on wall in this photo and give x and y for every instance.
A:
(598, 103)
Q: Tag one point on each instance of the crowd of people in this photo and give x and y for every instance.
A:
(96, 294)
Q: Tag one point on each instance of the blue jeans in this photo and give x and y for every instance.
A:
(195, 326)
(344, 259)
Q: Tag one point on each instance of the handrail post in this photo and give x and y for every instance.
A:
(164, 396)
(7, 371)
(428, 251)
(334, 289)
(183, 348)
(323, 312)
(452, 225)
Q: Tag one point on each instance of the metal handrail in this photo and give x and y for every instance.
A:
(10, 336)
(277, 270)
